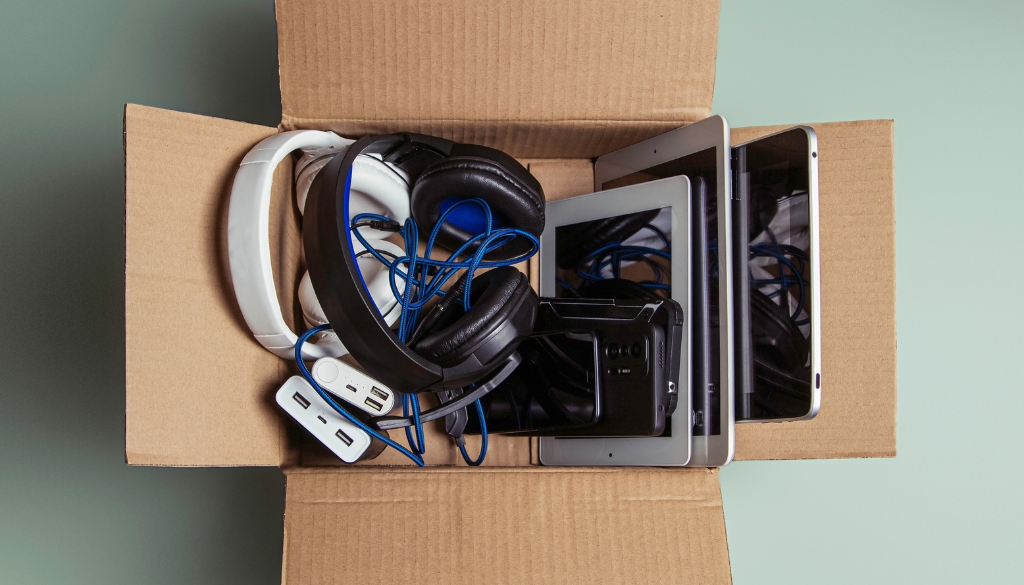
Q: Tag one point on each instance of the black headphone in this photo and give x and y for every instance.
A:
(451, 348)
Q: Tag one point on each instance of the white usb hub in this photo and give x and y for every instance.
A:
(344, 439)
(353, 386)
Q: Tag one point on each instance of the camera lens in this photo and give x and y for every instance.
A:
(612, 351)
(635, 350)
(624, 350)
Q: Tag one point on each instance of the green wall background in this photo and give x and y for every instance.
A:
(948, 509)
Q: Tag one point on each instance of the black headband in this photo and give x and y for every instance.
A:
(338, 283)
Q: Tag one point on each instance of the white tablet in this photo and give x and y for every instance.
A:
(700, 151)
(648, 231)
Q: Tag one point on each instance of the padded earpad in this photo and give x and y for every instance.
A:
(499, 298)
(617, 288)
(377, 283)
(775, 337)
(514, 201)
(576, 241)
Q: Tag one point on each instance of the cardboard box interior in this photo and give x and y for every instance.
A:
(554, 83)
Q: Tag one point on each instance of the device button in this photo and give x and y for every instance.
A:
(327, 372)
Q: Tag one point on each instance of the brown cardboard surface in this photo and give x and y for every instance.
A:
(540, 525)
(537, 78)
(188, 352)
(858, 302)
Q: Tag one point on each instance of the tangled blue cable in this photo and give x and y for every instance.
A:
(425, 286)
(483, 439)
(424, 278)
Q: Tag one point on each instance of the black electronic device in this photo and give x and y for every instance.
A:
(557, 386)
(637, 361)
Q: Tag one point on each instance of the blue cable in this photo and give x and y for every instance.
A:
(483, 439)
(488, 241)
(412, 401)
(327, 397)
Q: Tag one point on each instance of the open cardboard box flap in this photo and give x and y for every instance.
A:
(554, 83)
(537, 78)
(539, 525)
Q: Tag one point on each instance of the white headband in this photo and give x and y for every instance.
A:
(376, 188)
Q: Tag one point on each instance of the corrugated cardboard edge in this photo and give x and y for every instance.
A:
(858, 298)
(456, 526)
(198, 388)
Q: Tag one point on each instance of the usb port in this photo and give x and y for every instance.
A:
(344, 438)
(351, 387)
(322, 419)
(374, 404)
(301, 400)
(379, 393)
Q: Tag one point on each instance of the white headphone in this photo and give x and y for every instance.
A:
(376, 187)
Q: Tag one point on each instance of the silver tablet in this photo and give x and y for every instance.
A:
(701, 152)
(653, 252)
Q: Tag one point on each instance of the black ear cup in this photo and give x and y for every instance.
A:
(780, 357)
(577, 240)
(515, 198)
(616, 288)
(503, 312)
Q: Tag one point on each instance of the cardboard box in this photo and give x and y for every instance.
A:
(555, 83)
